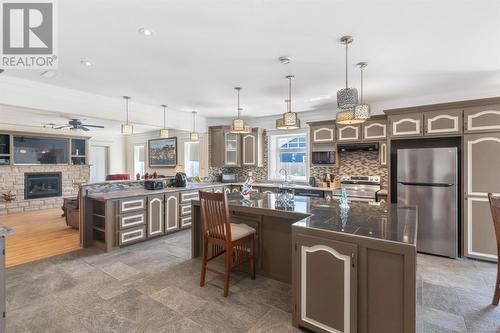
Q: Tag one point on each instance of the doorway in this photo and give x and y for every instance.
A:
(99, 167)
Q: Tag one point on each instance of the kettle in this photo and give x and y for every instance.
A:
(180, 179)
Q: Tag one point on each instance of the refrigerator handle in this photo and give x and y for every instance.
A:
(465, 195)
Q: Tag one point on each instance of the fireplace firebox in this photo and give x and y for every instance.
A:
(42, 185)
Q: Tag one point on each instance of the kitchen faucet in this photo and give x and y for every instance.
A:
(286, 175)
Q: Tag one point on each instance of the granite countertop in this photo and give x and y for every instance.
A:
(6, 231)
(102, 196)
(142, 191)
(387, 222)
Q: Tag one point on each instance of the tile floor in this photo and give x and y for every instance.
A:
(153, 287)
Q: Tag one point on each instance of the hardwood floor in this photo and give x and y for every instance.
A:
(38, 235)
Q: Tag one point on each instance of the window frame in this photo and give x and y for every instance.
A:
(143, 161)
(186, 155)
(273, 151)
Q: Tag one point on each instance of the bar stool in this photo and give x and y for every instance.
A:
(495, 212)
(236, 241)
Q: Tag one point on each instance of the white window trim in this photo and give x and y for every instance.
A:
(272, 134)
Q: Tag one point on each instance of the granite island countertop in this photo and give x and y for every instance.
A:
(387, 222)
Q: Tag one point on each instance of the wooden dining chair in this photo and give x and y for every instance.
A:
(236, 241)
(495, 213)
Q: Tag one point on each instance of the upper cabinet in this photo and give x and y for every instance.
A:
(443, 122)
(348, 133)
(252, 148)
(406, 125)
(216, 157)
(323, 133)
(231, 149)
(374, 129)
(482, 119)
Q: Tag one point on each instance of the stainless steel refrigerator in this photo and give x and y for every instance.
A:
(428, 178)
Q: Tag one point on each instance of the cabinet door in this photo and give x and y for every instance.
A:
(216, 147)
(481, 165)
(231, 149)
(323, 134)
(348, 133)
(326, 301)
(171, 212)
(443, 122)
(374, 129)
(219, 189)
(383, 153)
(155, 215)
(406, 125)
(249, 145)
(482, 119)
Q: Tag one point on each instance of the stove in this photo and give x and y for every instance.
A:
(359, 188)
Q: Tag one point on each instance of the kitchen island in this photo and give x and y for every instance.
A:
(351, 271)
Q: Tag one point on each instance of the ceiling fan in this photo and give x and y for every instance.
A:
(76, 124)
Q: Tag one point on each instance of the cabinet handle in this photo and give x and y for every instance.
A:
(353, 257)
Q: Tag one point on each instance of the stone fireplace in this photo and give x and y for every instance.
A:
(39, 185)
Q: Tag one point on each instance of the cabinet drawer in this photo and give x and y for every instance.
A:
(186, 197)
(133, 235)
(130, 205)
(185, 210)
(185, 221)
(132, 219)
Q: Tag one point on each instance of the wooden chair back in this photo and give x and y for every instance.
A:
(495, 213)
(215, 215)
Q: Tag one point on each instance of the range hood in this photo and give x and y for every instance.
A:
(357, 147)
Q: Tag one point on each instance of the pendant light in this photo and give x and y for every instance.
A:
(290, 120)
(347, 98)
(164, 130)
(194, 135)
(238, 125)
(127, 128)
(362, 110)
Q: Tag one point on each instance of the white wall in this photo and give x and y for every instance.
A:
(182, 137)
(117, 153)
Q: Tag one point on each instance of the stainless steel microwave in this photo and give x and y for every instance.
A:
(323, 157)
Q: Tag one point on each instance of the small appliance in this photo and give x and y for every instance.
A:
(323, 157)
(180, 179)
(154, 184)
(229, 178)
(312, 181)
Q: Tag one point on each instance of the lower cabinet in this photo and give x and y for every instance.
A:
(155, 225)
(171, 212)
(327, 284)
(132, 235)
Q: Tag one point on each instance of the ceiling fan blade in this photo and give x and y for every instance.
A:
(96, 126)
(61, 127)
(84, 128)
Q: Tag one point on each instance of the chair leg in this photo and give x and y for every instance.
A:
(252, 259)
(204, 263)
(229, 260)
(496, 296)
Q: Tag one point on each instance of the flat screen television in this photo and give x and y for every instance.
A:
(40, 150)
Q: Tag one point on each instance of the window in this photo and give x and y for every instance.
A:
(191, 159)
(139, 160)
(289, 152)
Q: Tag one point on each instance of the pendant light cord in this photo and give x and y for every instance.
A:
(126, 101)
(194, 121)
(290, 94)
(239, 109)
(164, 116)
(362, 69)
(346, 59)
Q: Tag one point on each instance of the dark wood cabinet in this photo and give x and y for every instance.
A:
(324, 133)
(443, 122)
(484, 118)
(171, 212)
(406, 125)
(374, 129)
(348, 133)
(155, 225)
(326, 302)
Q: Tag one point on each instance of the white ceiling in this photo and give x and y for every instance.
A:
(201, 49)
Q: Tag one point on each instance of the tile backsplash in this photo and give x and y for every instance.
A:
(363, 163)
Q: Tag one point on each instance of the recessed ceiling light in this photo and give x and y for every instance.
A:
(285, 60)
(87, 63)
(48, 74)
(146, 32)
